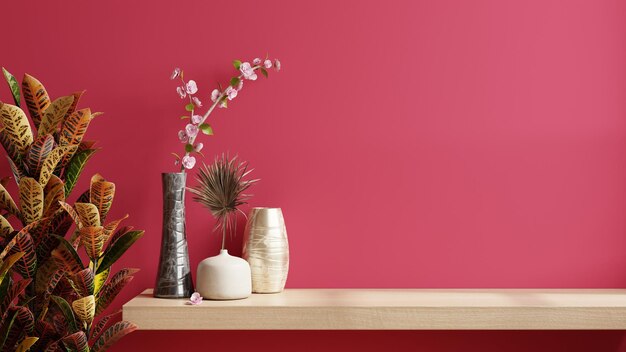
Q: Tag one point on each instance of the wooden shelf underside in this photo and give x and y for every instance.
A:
(390, 309)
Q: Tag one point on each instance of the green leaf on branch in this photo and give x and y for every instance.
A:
(117, 249)
(189, 148)
(234, 81)
(67, 312)
(184, 117)
(237, 64)
(189, 107)
(264, 72)
(74, 169)
(206, 129)
(15, 87)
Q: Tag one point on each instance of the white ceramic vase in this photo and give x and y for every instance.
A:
(224, 277)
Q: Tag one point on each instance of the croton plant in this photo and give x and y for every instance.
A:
(56, 276)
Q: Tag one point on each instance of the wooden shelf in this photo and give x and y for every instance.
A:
(390, 309)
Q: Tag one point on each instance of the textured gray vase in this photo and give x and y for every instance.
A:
(174, 276)
(266, 249)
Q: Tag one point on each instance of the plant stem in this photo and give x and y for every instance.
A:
(223, 233)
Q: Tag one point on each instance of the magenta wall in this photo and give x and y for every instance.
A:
(410, 143)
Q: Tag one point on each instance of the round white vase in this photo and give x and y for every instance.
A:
(224, 277)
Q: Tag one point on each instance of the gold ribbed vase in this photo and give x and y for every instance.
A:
(266, 249)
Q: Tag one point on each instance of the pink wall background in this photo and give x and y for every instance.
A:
(410, 143)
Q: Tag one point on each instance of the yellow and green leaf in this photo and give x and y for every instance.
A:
(36, 98)
(54, 192)
(52, 161)
(92, 238)
(75, 168)
(5, 227)
(13, 85)
(16, 131)
(88, 214)
(85, 308)
(31, 200)
(26, 343)
(54, 115)
(73, 130)
(7, 203)
(117, 249)
(101, 194)
(37, 153)
(27, 264)
(100, 279)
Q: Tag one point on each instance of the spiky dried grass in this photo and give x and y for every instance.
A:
(221, 188)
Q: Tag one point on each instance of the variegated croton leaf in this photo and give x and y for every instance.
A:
(31, 200)
(37, 153)
(26, 343)
(66, 257)
(102, 193)
(5, 227)
(36, 98)
(7, 203)
(85, 308)
(76, 342)
(99, 327)
(92, 238)
(75, 168)
(16, 131)
(88, 214)
(54, 115)
(83, 282)
(113, 287)
(20, 321)
(13, 292)
(112, 335)
(68, 315)
(51, 163)
(54, 192)
(73, 130)
(28, 262)
(13, 85)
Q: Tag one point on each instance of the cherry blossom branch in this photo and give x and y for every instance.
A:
(219, 98)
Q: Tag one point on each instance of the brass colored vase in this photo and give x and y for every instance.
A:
(266, 249)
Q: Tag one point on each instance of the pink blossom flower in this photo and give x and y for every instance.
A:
(175, 73)
(277, 64)
(256, 61)
(240, 85)
(247, 71)
(182, 136)
(195, 299)
(231, 93)
(191, 87)
(189, 162)
(192, 130)
(181, 92)
(196, 119)
(267, 63)
(215, 94)
(197, 102)
(198, 147)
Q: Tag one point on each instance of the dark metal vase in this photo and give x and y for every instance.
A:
(174, 277)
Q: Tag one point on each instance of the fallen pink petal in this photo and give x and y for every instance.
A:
(195, 299)
(198, 147)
